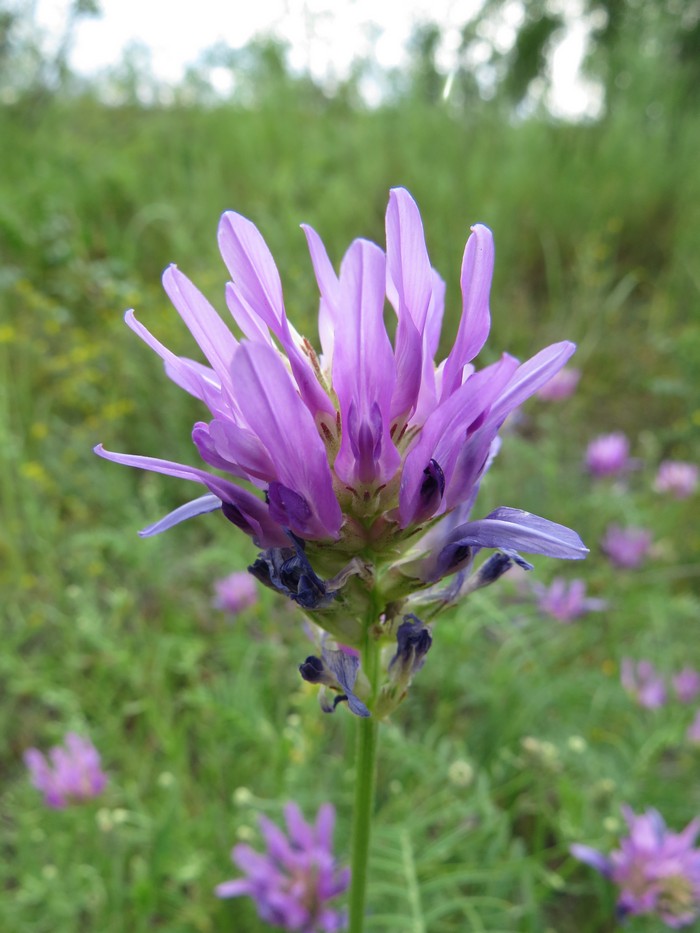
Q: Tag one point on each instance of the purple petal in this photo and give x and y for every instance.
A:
(215, 339)
(444, 433)
(477, 271)
(328, 286)
(283, 424)
(235, 888)
(519, 530)
(257, 285)
(189, 510)
(198, 380)
(591, 857)
(363, 365)
(408, 265)
(530, 377)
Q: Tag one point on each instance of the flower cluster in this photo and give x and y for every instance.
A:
(626, 548)
(72, 772)
(566, 601)
(677, 478)
(294, 879)
(608, 455)
(235, 593)
(657, 871)
(367, 458)
(648, 686)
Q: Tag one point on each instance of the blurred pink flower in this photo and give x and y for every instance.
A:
(693, 733)
(677, 478)
(293, 880)
(71, 774)
(235, 593)
(687, 684)
(643, 682)
(566, 601)
(657, 871)
(608, 455)
(626, 547)
(561, 385)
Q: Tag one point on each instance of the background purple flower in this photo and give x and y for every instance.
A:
(292, 881)
(693, 733)
(677, 478)
(561, 385)
(608, 454)
(643, 682)
(627, 548)
(566, 600)
(236, 592)
(656, 871)
(686, 683)
(71, 773)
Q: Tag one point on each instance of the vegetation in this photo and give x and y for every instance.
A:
(203, 722)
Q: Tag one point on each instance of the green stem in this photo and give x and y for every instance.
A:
(365, 780)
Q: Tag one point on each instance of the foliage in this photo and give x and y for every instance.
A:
(517, 739)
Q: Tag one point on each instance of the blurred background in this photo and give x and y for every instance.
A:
(572, 129)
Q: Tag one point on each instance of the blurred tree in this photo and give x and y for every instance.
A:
(34, 65)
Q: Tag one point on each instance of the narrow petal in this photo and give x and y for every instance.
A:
(531, 376)
(328, 286)
(514, 529)
(287, 431)
(445, 433)
(591, 857)
(189, 510)
(408, 265)
(214, 338)
(363, 365)
(477, 271)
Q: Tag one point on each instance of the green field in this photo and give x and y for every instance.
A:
(202, 721)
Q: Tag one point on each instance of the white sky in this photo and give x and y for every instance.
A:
(324, 36)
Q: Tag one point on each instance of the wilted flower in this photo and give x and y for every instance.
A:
(627, 548)
(566, 601)
(677, 478)
(368, 458)
(235, 592)
(693, 733)
(643, 682)
(656, 871)
(72, 772)
(608, 454)
(561, 385)
(686, 683)
(294, 879)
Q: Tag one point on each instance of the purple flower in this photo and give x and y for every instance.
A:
(608, 455)
(677, 478)
(643, 682)
(235, 592)
(627, 548)
(72, 772)
(561, 385)
(656, 871)
(686, 683)
(693, 733)
(362, 462)
(566, 601)
(294, 879)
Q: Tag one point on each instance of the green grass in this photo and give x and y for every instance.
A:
(597, 230)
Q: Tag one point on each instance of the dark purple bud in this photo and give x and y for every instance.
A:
(338, 671)
(288, 571)
(313, 670)
(413, 643)
(431, 491)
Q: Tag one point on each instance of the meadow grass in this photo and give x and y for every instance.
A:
(203, 722)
